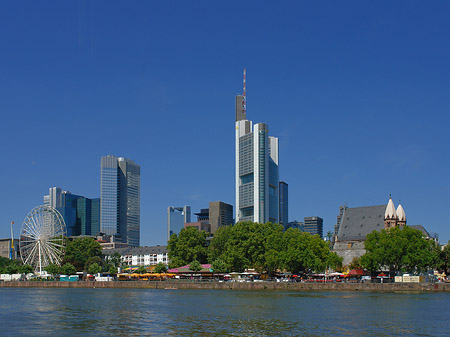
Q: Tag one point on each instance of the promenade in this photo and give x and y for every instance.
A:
(259, 286)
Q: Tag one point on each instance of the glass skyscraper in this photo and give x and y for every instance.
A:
(120, 199)
(256, 169)
(284, 204)
(176, 218)
(81, 215)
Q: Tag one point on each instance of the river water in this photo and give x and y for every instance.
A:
(137, 312)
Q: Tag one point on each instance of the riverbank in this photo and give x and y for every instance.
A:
(286, 286)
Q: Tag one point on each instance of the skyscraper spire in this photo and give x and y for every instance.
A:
(241, 102)
(243, 94)
(244, 101)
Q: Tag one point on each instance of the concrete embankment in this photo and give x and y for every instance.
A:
(285, 286)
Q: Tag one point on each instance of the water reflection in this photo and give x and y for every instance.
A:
(123, 312)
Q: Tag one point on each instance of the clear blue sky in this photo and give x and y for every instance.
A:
(358, 93)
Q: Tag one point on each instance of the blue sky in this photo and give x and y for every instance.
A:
(356, 91)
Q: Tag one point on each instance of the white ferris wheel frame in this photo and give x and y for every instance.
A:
(43, 238)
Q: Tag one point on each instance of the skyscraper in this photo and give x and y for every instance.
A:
(313, 225)
(120, 199)
(176, 218)
(284, 204)
(256, 168)
(81, 215)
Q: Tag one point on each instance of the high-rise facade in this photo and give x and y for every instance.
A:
(120, 199)
(256, 168)
(313, 225)
(81, 215)
(284, 204)
(220, 214)
(176, 218)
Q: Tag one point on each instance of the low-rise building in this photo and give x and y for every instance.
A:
(140, 256)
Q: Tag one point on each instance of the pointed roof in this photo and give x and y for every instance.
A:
(390, 210)
(401, 213)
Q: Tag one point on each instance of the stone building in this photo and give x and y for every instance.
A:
(354, 224)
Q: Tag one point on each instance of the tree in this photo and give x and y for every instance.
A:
(115, 259)
(53, 269)
(79, 251)
(68, 269)
(398, 250)
(160, 268)
(141, 270)
(112, 269)
(94, 268)
(443, 258)
(355, 264)
(219, 266)
(92, 260)
(329, 237)
(195, 266)
(189, 245)
(25, 269)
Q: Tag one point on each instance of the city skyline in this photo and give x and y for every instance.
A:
(356, 93)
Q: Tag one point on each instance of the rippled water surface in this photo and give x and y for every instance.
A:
(136, 312)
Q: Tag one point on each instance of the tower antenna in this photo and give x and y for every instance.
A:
(244, 102)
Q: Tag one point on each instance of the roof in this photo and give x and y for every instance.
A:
(357, 222)
(422, 229)
(137, 250)
(401, 213)
(390, 210)
(185, 269)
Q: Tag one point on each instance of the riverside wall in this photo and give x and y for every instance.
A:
(260, 286)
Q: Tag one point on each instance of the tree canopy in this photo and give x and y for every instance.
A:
(399, 249)
(82, 250)
(187, 246)
(265, 247)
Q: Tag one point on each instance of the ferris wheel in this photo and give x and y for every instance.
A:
(43, 238)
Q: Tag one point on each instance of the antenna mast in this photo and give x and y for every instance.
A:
(244, 102)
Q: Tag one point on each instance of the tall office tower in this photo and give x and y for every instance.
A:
(120, 199)
(176, 218)
(81, 215)
(313, 225)
(66, 203)
(256, 168)
(220, 214)
(88, 216)
(284, 204)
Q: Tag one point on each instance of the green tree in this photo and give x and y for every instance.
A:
(355, 263)
(219, 266)
(53, 269)
(79, 251)
(195, 266)
(25, 269)
(94, 268)
(68, 269)
(443, 258)
(93, 260)
(304, 252)
(189, 245)
(112, 270)
(115, 259)
(398, 249)
(141, 270)
(160, 268)
(329, 237)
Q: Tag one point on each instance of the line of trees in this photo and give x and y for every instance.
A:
(85, 254)
(250, 245)
(8, 266)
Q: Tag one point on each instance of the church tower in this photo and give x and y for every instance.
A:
(401, 216)
(390, 216)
